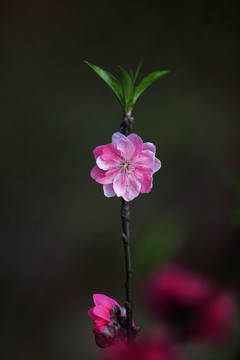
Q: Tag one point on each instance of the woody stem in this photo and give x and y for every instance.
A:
(125, 215)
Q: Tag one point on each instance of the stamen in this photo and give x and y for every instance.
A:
(126, 164)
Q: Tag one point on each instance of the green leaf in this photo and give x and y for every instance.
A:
(131, 75)
(110, 80)
(127, 86)
(137, 71)
(146, 82)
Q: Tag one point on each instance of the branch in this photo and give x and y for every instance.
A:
(126, 127)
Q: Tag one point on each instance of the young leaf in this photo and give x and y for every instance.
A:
(131, 75)
(110, 80)
(146, 82)
(137, 71)
(127, 86)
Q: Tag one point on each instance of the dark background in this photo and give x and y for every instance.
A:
(60, 237)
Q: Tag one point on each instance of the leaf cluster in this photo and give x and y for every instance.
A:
(125, 91)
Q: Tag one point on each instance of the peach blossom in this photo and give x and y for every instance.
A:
(126, 166)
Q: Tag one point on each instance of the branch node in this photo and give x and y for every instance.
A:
(124, 238)
(128, 306)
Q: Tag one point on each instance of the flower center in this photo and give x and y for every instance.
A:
(126, 164)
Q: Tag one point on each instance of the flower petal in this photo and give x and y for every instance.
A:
(110, 153)
(149, 146)
(146, 184)
(102, 164)
(108, 190)
(144, 176)
(133, 188)
(91, 314)
(98, 151)
(117, 137)
(137, 143)
(120, 183)
(110, 157)
(108, 176)
(100, 299)
(157, 165)
(145, 159)
(140, 172)
(96, 171)
(102, 312)
(100, 325)
(126, 147)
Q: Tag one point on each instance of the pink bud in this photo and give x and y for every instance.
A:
(109, 321)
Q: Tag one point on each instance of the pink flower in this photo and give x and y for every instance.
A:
(148, 348)
(190, 305)
(109, 321)
(126, 166)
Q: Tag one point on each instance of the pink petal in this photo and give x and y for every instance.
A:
(120, 183)
(100, 299)
(110, 153)
(140, 172)
(144, 176)
(100, 325)
(107, 177)
(91, 314)
(146, 184)
(149, 146)
(137, 143)
(145, 159)
(126, 147)
(96, 171)
(117, 137)
(157, 165)
(102, 164)
(133, 188)
(108, 190)
(110, 157)
(102, 312)
(98, 151)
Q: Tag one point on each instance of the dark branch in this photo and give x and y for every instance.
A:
(126, 127)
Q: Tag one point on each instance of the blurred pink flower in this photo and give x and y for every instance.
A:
(217, 320)
(108, 317)
(125, 167)
(149, 348)
(193, 307)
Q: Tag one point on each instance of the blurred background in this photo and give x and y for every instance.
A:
(60, 237)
